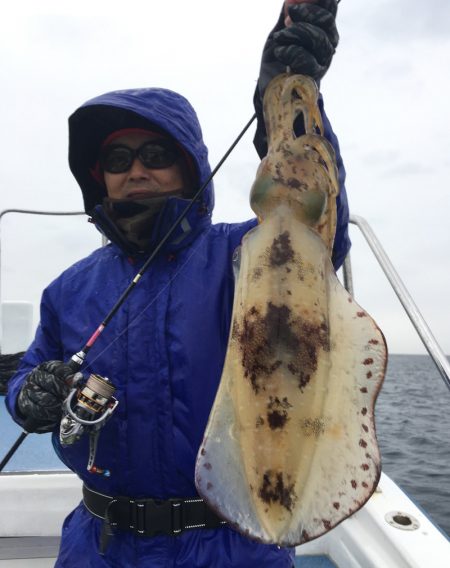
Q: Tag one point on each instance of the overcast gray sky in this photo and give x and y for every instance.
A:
(387, 95)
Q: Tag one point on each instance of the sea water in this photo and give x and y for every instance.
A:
(413, 426)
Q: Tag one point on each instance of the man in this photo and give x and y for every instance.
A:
(138, 157)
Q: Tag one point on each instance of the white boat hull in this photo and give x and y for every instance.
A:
(34, 506)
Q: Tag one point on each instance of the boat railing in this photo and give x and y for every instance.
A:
(28, 212)
(419, 323)
(35, 212)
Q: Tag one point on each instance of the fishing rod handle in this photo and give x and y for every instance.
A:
(76, 361)
(30, 425)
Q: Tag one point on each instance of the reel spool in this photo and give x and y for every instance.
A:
(87, 409)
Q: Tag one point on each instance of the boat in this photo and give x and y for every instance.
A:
(390, 531)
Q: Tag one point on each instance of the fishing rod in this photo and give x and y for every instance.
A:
(103, 404)
(95, 401)
(78, 358)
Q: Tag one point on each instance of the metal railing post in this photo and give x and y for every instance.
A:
(420, 325)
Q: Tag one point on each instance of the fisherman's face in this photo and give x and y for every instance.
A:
(140, 182)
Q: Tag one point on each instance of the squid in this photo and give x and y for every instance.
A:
(290, 448)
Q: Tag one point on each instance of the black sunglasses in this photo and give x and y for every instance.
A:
(154, 154)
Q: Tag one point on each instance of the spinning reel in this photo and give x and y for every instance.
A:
(86, 410)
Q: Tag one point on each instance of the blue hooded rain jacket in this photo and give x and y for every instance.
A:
(164, 350)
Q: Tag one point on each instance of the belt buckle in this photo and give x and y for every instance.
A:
(161, 517)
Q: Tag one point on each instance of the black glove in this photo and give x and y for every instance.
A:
(307, 47)
(42, 394)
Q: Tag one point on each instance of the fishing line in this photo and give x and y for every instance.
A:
(194, 251)
(142, 312)
(78, 358)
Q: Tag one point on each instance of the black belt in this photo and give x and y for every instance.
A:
(149, 517)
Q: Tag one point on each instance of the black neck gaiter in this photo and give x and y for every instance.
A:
(135, 218)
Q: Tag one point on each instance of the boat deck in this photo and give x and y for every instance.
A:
(40, 552)
(31, 552)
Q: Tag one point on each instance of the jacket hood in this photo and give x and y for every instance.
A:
(159, 109)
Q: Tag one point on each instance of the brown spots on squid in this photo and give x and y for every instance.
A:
(255, 345)
(257, 273)
(203, 451)
(207, 466)
(374, 342)
(294, 183)
(364, 411)
(365, 428)
(365, 467)
(287, 153)
(278, 177)
(259, 422)
(363, 390)
(361, 314)
(365, 485)
(326, 524)
(276, 489)
(261, 338)
(306, 360)
(368, 361)
(369, 375)
(277, 419)
(354, 484)
(277, 414)
(281, 251)
(305, 535)
(337, 506)
(363, 443)
(313, 427)
(300, 272)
